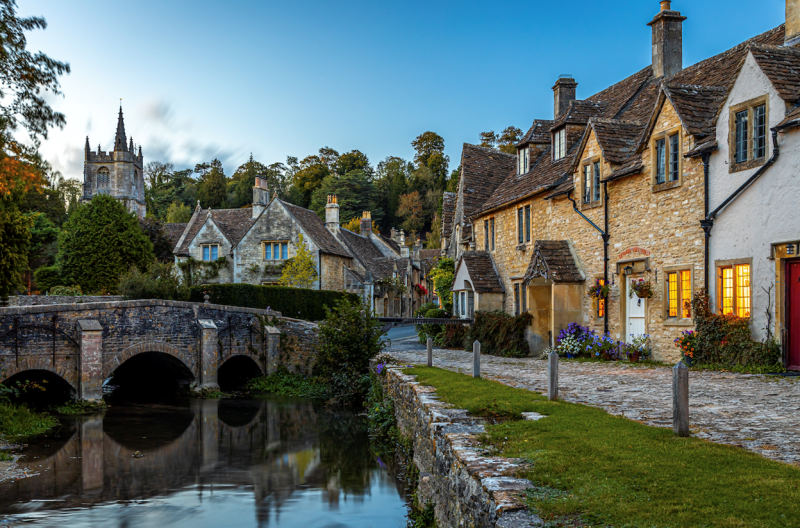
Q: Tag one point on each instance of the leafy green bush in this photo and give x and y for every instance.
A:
(20, 421)
(725, 340)
(160, 281)
(291, 302)
(66, 291)
(287, 383)
(349, 338)
(501, 334)
(47, 277)
(454, 336)
(432, 330)
(443, 276)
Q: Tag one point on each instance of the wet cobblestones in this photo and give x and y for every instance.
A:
(756, 412)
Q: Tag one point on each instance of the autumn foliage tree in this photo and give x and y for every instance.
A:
(300, 271)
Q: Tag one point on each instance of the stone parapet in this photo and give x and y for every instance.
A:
(467, 488)
(35, 300)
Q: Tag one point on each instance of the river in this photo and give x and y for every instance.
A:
(206, 463)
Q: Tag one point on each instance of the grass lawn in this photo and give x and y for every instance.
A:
(18, 421)
(610, 471)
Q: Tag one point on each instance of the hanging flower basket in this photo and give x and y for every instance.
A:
(642, 288)
(599, 290)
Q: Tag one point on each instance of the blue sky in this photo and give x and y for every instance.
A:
(202, 79)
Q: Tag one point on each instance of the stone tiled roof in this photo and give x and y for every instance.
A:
(782, 66)
(792, 120)
(482, 272)
(696, 105)
(173, 232)
(482, 171)
(364, 250)
(391, 243)
(448, 210)
(539, 133)
(629, 168)
(195, 223)
(430, 253)
(233, 223)
(579, 112)
(618, 139)
(709, 144)
(312, 225)
(553, 260)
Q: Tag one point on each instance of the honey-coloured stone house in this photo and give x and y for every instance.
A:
(614, 188)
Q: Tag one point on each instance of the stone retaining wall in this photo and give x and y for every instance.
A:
(468, 488)
(38, 300)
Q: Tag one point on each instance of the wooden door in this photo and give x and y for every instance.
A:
(793, 313)
(634, 317)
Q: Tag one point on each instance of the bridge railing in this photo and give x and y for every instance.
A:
(425, 320)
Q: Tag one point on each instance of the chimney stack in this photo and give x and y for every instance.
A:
(564, 93)
(792, 22)
(260, 196)
(667, 41)
(332, 214)
(366, 224)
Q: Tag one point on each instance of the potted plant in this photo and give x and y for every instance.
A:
(638, 348)
(642, 288)
(604, 347)
(687, 343)
(599, 290)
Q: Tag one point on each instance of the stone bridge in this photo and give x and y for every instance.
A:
(85, 343)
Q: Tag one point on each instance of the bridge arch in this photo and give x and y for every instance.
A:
(234, 372)
(34, 363)
(147, 346)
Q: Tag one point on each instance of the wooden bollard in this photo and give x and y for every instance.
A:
(430, 352)
(552, 376)
(680, 399)
(476, 360)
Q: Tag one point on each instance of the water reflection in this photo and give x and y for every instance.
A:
(207, 463)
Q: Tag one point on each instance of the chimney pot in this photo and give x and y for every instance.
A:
(665, 5)
(332, 214)
(366, 224)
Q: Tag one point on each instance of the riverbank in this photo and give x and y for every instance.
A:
(18, 423)
(586, 466)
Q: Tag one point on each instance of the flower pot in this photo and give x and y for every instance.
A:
(606, 356)
(634, 357)
(687, 360)
(641, 295)
(570, 356)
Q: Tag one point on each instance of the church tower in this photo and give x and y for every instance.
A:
(118, 173)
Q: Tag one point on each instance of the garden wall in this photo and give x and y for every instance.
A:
(467, 488)
(39, 300)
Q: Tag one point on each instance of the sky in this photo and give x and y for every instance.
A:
(204, 79)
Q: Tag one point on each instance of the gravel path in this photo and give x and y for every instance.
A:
(759, 413)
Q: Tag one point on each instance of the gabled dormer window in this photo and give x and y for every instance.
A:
(666, 159)
(523, 159)
(748, 134)
(560, 144)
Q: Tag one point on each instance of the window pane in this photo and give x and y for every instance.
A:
(214, 250)
(205, 253)
(672, 286)
(516, 299)
(674, 153)
(601, 303)
(587, 184)
(760, 132)
(686, 293)
(596, 182)
(741, 136)
(523, 291)
(743, 290)
(491, 225)
(486, 235)
(527, 223)
(267, 251)
(727, 291)
(285, 249)
(660, 147)
(519, 225)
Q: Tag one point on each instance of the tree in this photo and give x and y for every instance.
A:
(353, 160)
(160, 281)
(430, 154)
(300, 270)
(101, 241)
(507, 142)
(392, 181)
(411, 211)
(434, 240)
(178, 213)
(158, 173)
(309, 177)
(443, 276)
(15, 237)
(244, 179)
(354, 225)
(354, 191)
(488, 139)
(212, 188)
(162, 247)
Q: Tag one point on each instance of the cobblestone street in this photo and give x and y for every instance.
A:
(759, 413)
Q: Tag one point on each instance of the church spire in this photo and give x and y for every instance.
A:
(119, 142)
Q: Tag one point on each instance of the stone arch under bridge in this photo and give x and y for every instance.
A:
(85, 343)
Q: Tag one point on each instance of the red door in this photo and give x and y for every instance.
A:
(793, 313)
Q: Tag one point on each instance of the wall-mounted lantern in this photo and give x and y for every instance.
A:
(790, 249)
(628, 269)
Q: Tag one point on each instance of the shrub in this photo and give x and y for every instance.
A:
(501, 334)
(443, 276)
(160, 281)
(47, 277)
(726, 340)
(430, 311)
(291, 302)
(287, 383)
(454, 336)
(349, 338)
(66, 291)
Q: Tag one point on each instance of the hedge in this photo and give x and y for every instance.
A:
(501, 334)
(47, 277)
(291, 302)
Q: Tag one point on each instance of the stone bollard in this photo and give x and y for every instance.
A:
(680, 399)
(476, 360)
(552, 376)
(430, 352)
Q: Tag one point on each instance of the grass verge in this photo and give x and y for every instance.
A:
(286, 383)
(611, 471)
(18, 421)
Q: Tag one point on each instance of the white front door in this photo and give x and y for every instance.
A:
(634, 317)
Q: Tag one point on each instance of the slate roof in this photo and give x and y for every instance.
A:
(539, 133)
(448, 210)
(782, 66)
(312, 225)
(553, 259)
(234, 223)
(391, 243)
(173, 232)
(365, 251)
(482, 272)
(482, 171)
